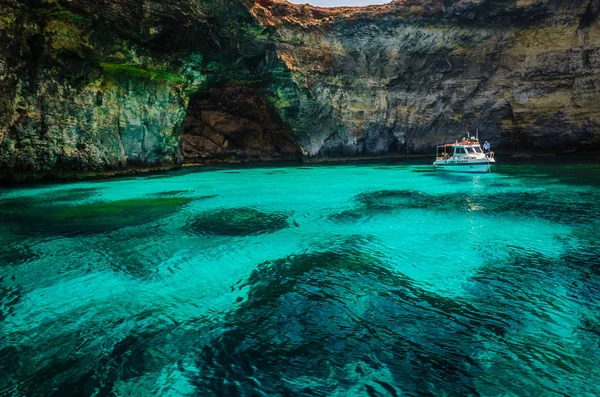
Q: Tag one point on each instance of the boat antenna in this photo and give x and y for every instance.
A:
(477, 136)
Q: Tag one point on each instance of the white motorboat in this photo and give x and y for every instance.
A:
(464, 156)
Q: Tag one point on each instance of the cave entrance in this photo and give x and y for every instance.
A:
(231, 124)
(340, 3)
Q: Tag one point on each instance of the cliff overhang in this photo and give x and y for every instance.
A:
(92, 87)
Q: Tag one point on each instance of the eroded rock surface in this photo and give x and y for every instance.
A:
(101, 86)
(91, 86)
(234, 123)
(405, 76)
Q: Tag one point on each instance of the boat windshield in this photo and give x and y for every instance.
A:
(469, 150)
(477, 149)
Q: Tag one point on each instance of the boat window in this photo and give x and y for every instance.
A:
(469, 150)
(477, 149)
(459, 150)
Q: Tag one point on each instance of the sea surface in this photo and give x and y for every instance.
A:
(382, 279)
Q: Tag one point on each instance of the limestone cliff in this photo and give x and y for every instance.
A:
(90, 86)
(93, 87)
(405, 76)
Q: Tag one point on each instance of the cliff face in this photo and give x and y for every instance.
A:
(91, 86)
(234, 123)
(403, 77)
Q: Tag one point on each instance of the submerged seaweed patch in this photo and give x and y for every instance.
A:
(278, 172)
(16, 254)
(566, 207)
(333, 321)
(393, 199)
(239, 222)
(210, 196)
(68, 195)
(55, 197)
(93, 371)
(382, 201)
(566, 173)
(86, 362)
(171, 193)
(183, 193)
(527, 290)
(90, 218)
(350, 215)
(9, 297)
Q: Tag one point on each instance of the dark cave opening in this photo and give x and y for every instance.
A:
(232, 124)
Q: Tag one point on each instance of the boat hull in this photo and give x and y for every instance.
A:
(474, 168)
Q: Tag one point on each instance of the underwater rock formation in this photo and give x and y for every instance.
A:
(353, 353)
(48, 217)
(238, 222)
(88, 87)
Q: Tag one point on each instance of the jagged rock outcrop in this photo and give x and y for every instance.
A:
(90, 87)
(405, 76)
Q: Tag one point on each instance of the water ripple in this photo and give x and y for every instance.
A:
(350, 280)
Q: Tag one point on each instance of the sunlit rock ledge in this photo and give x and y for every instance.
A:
(88, 87)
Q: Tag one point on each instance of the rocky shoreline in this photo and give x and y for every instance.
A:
(424, 159)
(91, 88)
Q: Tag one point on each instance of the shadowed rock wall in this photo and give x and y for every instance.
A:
(93, 87)
(406, 76)
(234, 124)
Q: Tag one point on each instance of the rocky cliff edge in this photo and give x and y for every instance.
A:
(99, 87)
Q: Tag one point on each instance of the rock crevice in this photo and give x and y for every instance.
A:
(234, 124)
(91, 87)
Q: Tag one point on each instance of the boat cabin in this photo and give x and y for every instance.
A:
(464, 156)
(467, 149)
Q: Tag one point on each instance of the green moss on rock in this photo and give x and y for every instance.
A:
(136, 71)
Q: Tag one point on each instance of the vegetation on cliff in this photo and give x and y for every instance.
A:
(89, 87)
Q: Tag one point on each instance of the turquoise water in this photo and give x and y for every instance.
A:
(378, 279)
